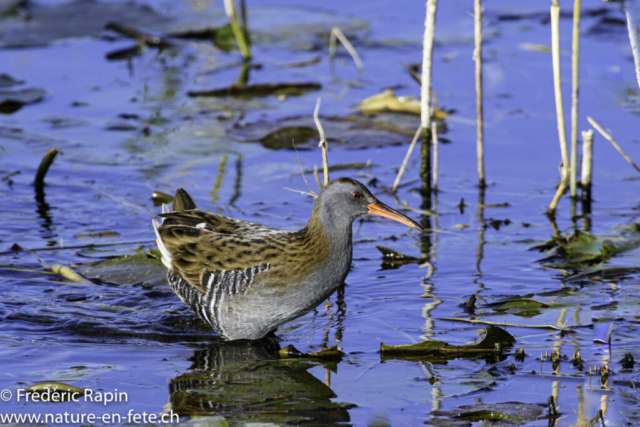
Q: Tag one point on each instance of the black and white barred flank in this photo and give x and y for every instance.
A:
(220, 286)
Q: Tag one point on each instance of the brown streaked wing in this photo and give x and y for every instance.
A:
(214, 222)
(197, 253)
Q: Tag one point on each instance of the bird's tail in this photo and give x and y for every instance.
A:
(183, 201)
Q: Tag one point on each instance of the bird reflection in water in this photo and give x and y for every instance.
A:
(248, 381)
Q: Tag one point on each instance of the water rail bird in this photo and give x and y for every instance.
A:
(246, 279)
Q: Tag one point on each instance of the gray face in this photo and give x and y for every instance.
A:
(346, 198)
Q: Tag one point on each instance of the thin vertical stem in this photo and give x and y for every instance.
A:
(323, 142)
(478, 60)
(434, 141)
(587, 163)
(555, 50)
(613, 142)
(633, 37)
(427, 63)
(243, 44)
(575, 85)
(406, 160)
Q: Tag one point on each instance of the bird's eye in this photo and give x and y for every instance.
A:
(355, 195)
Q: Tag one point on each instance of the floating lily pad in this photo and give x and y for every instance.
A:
(78, 18)
(348, 132)
(494, 335)
(507, 413)
(129, 269)
(522, 307)
(578, 250)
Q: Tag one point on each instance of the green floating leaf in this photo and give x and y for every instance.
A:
(494, 335)
(54, 392)
(511, 413)
(522, 307)
(159, 198)
(487, 416)
(225, 39)
(327, 353)
(578, 249)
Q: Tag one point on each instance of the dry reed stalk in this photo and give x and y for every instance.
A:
(633, 38)
(587, 163)
(555, 49)
(406, 160)
(323, 142)
(427, 63)
(337, 33)
(613, 142)
(434, 141)
(477, 56)
(575, 84)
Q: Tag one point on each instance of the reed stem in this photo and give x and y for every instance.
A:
(239, 34)
(427, 64)
(587, 163)
(575, 84)
(336, 33)
(613, 142)
(479, 107)
(434, 142)
(555, 50)
(323, 142)
(633, 37)
(406, 160)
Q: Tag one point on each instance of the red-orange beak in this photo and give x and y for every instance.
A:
(380, 209)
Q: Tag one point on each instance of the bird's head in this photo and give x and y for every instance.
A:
(345, 199)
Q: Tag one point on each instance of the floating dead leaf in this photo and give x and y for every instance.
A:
(388, 101)
(67, 272)
(494, 335)
(54, 392)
